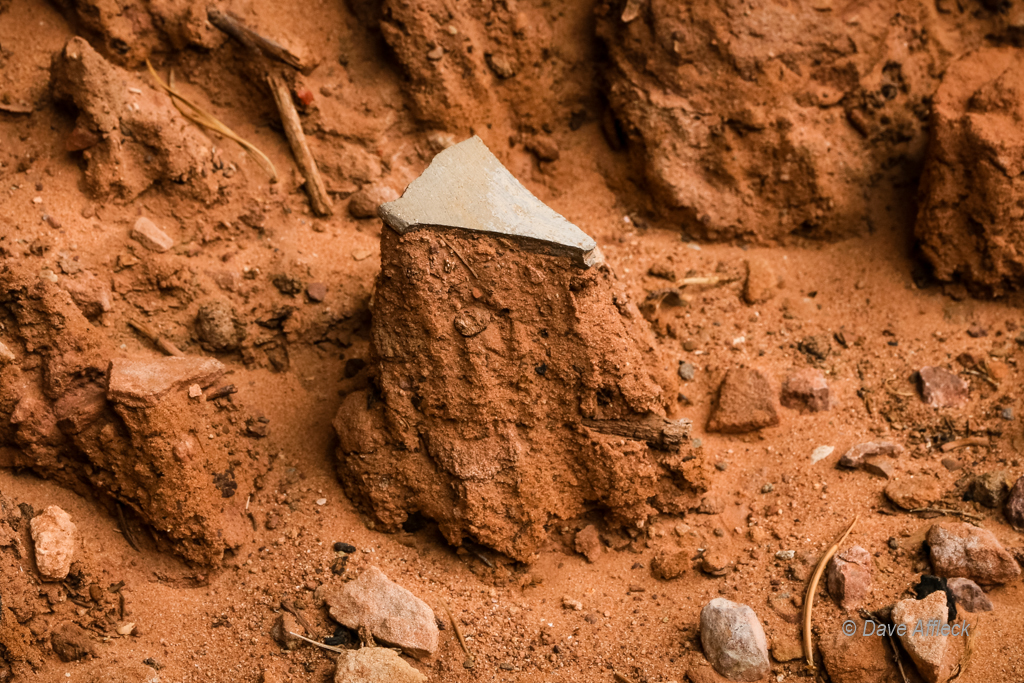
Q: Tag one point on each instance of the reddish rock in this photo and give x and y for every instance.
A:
(963, 550)
(925, 645)
(364, 203)
(71, 642)
(807, 391)
(218, 326)
(734, 641)
(1014, 509)
(588, 543)
(940, 388)
(283, 627)
(394, 615)
(150, 236)
(745, 403)
(91, 294)
(316, 291)
(848, 577)
(855, 457)
(671, 566)
(144, 381)
(914, 491)
(880, 466)
(53, 534)
(786, 647)
(856, 659)
(969, 595)
(761, 282)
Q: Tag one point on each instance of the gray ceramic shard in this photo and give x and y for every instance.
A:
(466, 187)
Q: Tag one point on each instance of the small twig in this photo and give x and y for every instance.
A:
(152, 335)
(313, 642)
(456, 252)
(949, 513)
(619, 678)
(712, 281)
(124, 529)
(984, 376)
(470, 660)
(221, 392)
(965, 442)
(813, 586)
(896, 656)
(233, 26)
(200, 117)
(318, 197)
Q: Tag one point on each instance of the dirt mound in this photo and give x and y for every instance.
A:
(969, 223)
(511, 384)
(130, 135)
(133, 431)
(757, 123)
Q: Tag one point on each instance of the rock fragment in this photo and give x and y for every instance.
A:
(806, 390)
(146, 233)
(91, 294)
(913, 492)
(219, 327)
(969, 595)
(745, 403)
(458, 190)
(734, 641)
(989, 489)
(283, 627)
(144, 381)
(761, 282)
(393, 614)
(53, 534)
(472, 320)
(316, 291)
(365, 202)
(71, 642)
(941, 388)
(786, 647)
(855, 457)
(962, 550)
(857, 659)
(848, 577)
(375, 665)
(926, 648)
(1014, 509)
(588, 543)
(670, 566)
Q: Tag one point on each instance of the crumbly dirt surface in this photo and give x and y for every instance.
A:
(285, 300)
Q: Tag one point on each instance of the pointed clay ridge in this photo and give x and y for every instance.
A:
(466, 187)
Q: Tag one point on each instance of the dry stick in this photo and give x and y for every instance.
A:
(200, 117)
(813, 586)
(470, 660)
(233, 26)
(896, 656)
(949, 513)
(709, 281)
(963, 443)
(313, 642)
(153, 336)
(318, 196)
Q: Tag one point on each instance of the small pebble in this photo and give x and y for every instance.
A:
(767, 488)
(785, 555)
(342, 547)
(321, 501)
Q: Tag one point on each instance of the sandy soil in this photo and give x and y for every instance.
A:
(868, 297)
